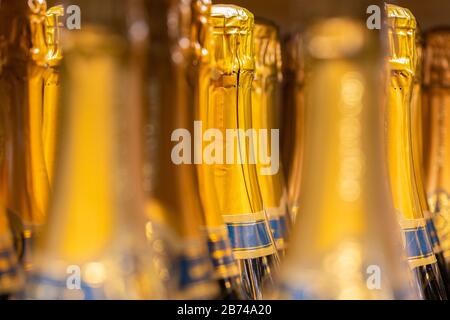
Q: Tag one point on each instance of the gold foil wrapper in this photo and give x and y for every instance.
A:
(437, 101)
(265, 116)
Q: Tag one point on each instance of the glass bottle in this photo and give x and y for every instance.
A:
(228, 182)
(171, 186)
(436, 100)
(345, 244)
(41, 115)
(418, 138)
(94, 245)
(226, 268)
(404, 183)
(293, 114)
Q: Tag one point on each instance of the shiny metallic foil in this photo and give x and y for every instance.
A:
(226, 269)
(419, 138)
(403, 59)
(231, 189)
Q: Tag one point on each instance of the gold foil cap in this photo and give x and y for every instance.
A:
(201, 27)
(399, 17)
(437, 59)
(232, 26)
(293, 58)
(402, 27)
(267, 49)
(230, 19)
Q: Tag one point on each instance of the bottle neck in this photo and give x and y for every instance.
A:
(232, 47)
(265, 89)
(342, 166)
(344, 196)
(91, 199)
(172, 193)
(438, 171)
(437, 103)
(402, 67)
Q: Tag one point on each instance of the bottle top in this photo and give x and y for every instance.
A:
(201, 13)
(235, 51)
(402, 28)
(53, 34)
(399, 17)
(230, 19)
(437, 58)
(267, 49)
(45, 32)
(188, 23)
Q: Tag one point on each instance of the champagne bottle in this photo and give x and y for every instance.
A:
(20, 202)
(403, 175)
(228, 181)
(293, 114)
(226, 269)
(265, 114)
(15, 57)
(172, 194)
(345, 233)
(51, 87)
(418, 138)
(11, 278)
(437, 100)
(94, 245)
(41, 114)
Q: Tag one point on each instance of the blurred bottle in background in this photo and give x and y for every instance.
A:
(23, 210)
(417, 139)
(293, 115)
(345, 243)
(94, 246)
(265, 119)
(168, 71)
(11, 17)
(437, 101)
(400, 149)
(11, 276)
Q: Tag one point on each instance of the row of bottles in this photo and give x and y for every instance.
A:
(178, 149)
